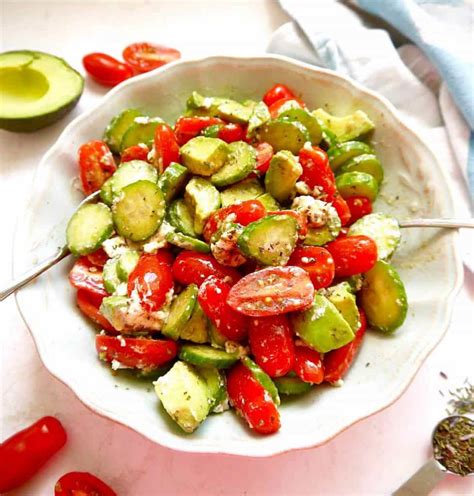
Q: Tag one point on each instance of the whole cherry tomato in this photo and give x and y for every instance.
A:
(85, 275)
(96, 165)
(144, 57)
(166, 147)
(277, 92)
(231, 132)
(252, 401)
(89, 305)
(81, 484)
(271, 343)
(300, 217)
(152, 280)
(316, 170)
(105, 69)
(353, 255)
(135, 152)
(342, 209)
(212, 297)
(187, 128)
(275, 108)
(308, 365)
(98, 258)
(317, 262)
(191, 267)
(264, 155)
(359, 206)
(24, 453)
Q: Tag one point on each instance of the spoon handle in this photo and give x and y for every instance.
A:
(422, 482)
(34, 273)
(448, 223)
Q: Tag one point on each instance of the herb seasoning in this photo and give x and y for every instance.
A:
(462, 400)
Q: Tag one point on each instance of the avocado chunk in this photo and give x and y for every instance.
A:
(248, 189)
(113, 308)
(241, 161)
(269, 202)
(204, 156)
(348, 127)
(343, 299)
(259, 116)
(36, 90)
(184, 394)
(195, 329)
(282, 175)
(203, 199)
(233, 111)
(322, 327)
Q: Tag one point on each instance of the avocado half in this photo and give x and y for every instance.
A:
(36, 90)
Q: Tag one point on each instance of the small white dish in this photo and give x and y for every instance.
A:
(427, 260)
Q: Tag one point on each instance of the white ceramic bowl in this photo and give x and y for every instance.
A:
(427, 260)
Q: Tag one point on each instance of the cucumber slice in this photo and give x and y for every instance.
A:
(88, 228)
(187, 242)
(248, 189)
(126, 263)
(112, 281)
(241, 161)
(383, 298)
(106, 194)
(173, 180)
(270, 204)
(141, 131)
(195, 329)
(180, 312)
(270, 240)
(263, 378)
(329, 139)
(308, 120)
(211, 131)
(206, 356)
(118, 126)
(260, 115)
(343, 152)
(139, 211)
(367, 162)
(357, 184)
(131, 172)
(322, 235)
(216, 338)
(284, 135)
(216, 384)
(291, 385)
(181, 218)
(203, 199)
(382, 228)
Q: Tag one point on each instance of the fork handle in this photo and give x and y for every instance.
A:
(448, 223)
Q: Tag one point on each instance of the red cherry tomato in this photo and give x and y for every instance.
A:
(89, 305)
(232, 132)
(85, 275)
(308, 365)
(212, 298)
(81, 484)
(343, 232)
(245, 212)
(144, 57)
(24, 453)
(353, 255)
(152, 280)
(105, 69)
(317, 262)
(337, 362)
(252, 401)
(191, 267)
(271, 343)
(342, 209)
(272, 291)
(277, 92)
(135, 152)
(166, 147)
(189, 127)
(264, 155)
(300, 219)
(276, 107)
(316, 170)
(98, 258)
(136, 353)
(359, 206)
(96, 165)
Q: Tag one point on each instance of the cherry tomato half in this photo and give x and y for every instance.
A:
(24, 453)
(316, 170)
(264, 155)
(342, 209)
(96, 165)
(275, 108)
(105, 69)
(308, 365)
(272, 291)
(277, 92)
(232, 132)
(166, 147)
(353, 255)
(212, 297)
(252, 401)
(98, 258)
(144, 57)
(187, 128)
(89, 305)
(317, 262)
(359, 206)
(85, 275)
(300, 217)
(81, 484)
(135, 152)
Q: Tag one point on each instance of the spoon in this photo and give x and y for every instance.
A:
(422, 482)
(64, 251)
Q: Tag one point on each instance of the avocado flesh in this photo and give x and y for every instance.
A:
(36, 90)
(345, 302)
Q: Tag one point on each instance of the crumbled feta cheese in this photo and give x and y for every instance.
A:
(115, 246)
(142, 119)
(225, 249)
(338, 383)
(302, 188)
(116, 365)
(122, 340)
(151, 155)
(158, 240)
(222, 406)
(318, 213)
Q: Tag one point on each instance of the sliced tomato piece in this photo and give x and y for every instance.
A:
(96, 165)
(135, 152)
(105, 69)
(166, 147)
(264, 156)
(300, 217)
(316, 171)
(308, 365)
(359, 206)
(317, 262)
(272, 291)
(212, 298)
(252, 401)
(232, 132)
(187, 128)
(342, 209)
(98, 258)
(144, 57)
(277, 92)
(85, 275)
(353, 255)
(81, 484)
(89, 305)
(275, 107)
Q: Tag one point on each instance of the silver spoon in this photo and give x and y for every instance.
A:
(64, 251)
(422, 482)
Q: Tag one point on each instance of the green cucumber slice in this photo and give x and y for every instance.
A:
(141, 131)
(260, 115)
(320, 236)
(241, 161)
(206, 356)
(139, 211)
(118, 127)
(106, 194)
(216, 384)
(173, 180)
(248, 189)
(216, 338)
(308, 120)
(196, 327)
(211, 131)
(284, 135)
(180, 217)
(263, 378)
(342, 152)
(180, 312)
(270, 240)
(357, 184)
(126, 263)
(382, 228)
(187, 242)
(270, 204)
(291, 385)
(88, 228)
(367, 162)
(383, 298)
(112, 281)
(131, 172)
(329, 139)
